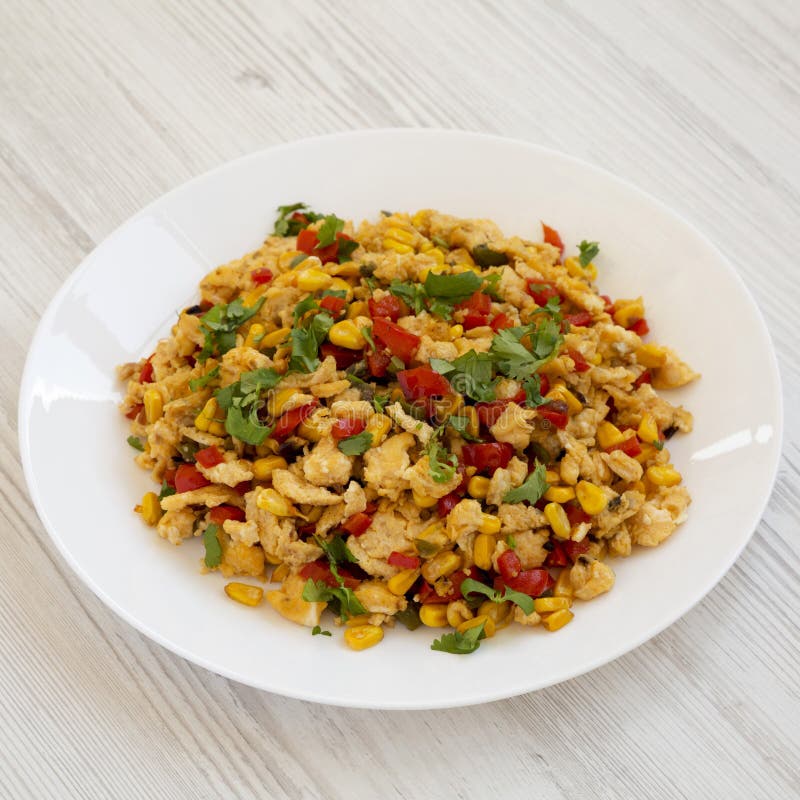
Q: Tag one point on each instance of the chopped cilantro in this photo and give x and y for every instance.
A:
(366, 332)
(306, 340)
(524, 601)
(297, 260)
(242, 401)
(336, 550)
(491, 280)
(441, 464)
(452, 288)
(511, 542)
(317, 631)
(331, 225)
(212, 545)
(320, 592)
(460, 643)
(459, 424)
(658, 444)
(356, 445)
(308, 304)
(486, 257)
(220, 323)
(470, 374)
(166, 491)
(413, 294)
(286, 226)
(340, 293)
(203, 380)
(346, 249)
(532, 490)
(379, 402)
(136, 443)
(516, 360)
(533, 391)
(588, 251)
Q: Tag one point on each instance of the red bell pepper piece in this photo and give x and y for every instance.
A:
(489, 413)
(629, 446)
(554, 412)
(378, 363)
(422, 382)
(509, 565)
(243, 488)
(146, 372)
(583, 319)
(169, 477)
(343, 428)
(479, 303)
(609, 307)
(427, 594)
(541, 292)
(402, 561)
(209, 457)
(219, 514)
(581, 364)
(389, 306)
(188, 478)
(333, 304)
(557, 557)
(576, 515)
(640, 327)
(645, 377)
(261, 275)
(306, 241)
(501, 322)
(487, 457)
(533, 582)
(472, 319)
(287, 422)
(135, 411)
(344, 358)
(551, 236)
(446, 504)
(321, 571)
(400, 342)
(575, 549)
(357, 523)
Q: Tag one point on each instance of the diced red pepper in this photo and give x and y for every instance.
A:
(544, 385)
(169, 477)
(645, 377)
(209, 457)
(146, 372)
(306, 529)
(551, 236)
(219, 514)
(344, 358)
(388, 306)
(333, 304)
(297, 216)
(489, 413)
(581, 364)
(135, 411)
(629, 446)
(557, 557)
(576, 515)
(583, 319)
(188, 478)
(501, 322)
(378, 363)
(357, 523)
(609, 307)
(402, 561)
(509, 565)
(321, 571)
(427, 594)
(533, 582)
(487, 457)
(541, 292)
(554, 412)
(479, 303)
(287, 422)
(343, 428)
(243, 488)
(400, 342)
(261, 275)
(446, 504)
(306, 241)
(640, 327)
(575, 549)
(472, 319)
(422, 382)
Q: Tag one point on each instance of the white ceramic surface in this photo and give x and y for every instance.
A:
(125, 296)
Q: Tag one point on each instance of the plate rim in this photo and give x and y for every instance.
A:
(27, 381)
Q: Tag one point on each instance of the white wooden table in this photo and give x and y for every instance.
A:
(104, 106)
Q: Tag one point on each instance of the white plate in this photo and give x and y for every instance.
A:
(125, 296)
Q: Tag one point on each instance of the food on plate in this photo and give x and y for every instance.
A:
(419, 420)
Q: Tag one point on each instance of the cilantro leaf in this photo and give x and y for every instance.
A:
(247, 427)
(517, 361)
(285, 226)
(317, 631)
(346, 249)
(511, 542)
(459, 424)
(297, 260)
(588, 251)
(533, 391)
(308, 304)
(356, 445)
(524, 601)
(203, 380)
(486, 257)
(366, 332)
(336, 550)
(136, 443)
(331, 225)
(441, 464)
(220, 323)
(166, 491)
(532, 490)
(212, 545)
(320, 592)
(306, 341)
(413, 294)
(242, 401)
(460, 643)
(470, 374)
(492, 279)
(452, 288)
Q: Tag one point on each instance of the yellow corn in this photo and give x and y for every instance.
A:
(628, 312)
(559, 494)
(482, 550)
(255, 334)
(437, 255)
(398, 247)
(609, 435)
(378, 426)
(313, 514)
(637, 486)
(577, 271)
(244, 593)
(648, 452)
(663, 476)
(313, 428)
(458, 612)
(545, 605)
(562, 393)
(341, 285)
(357, 309)
(434, 615)
(422, 501)
(557, 518)
(312, 280)
(420, 218)
(489, 524)
(151, 508)
(648, 429)
(263, 467)
(276, 403)
(478, 487)
(396, 395)
(269, 447)
(399, 235)
(592, 498)
(217, 428)
(470, 471)
(153, 405)
(346, 334)
(250, 298)
(441, 565)
(651, 356)
(347, 270)
(285, 259)
(275, 338)
(563, 585)
(502, 614)
(456, 331)
(204, 419)
(280, 573)
(595, 359)
(363, 636)
(552, 476)
(558, 619)
(354, 622)
(473, 426)
(399, 584)
(481, 619)
(431, 540)
(425, 271)
(270, 500)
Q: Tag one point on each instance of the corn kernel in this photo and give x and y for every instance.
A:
(250, 298)
(313, 428)
(341, 285)
(244, 593)
(280, 573)
(545, 605)
(363, 636)
(263, 467)
(595, 359)
(346, 334)
(153, 405)
(396, 395)
(285, 259)
(255, 335)
(354, 622)
(349, 269)
(489, 524)
(592, 498)
(278, 400)
(628, 312)
(269, 447)
(558, 619)
(378, 426)
(217, 428)
(562, 393)
(559, 494)
(663, 476)
(608, 435)
(275, 338)
(563, 585)
(270, 500)
(431, 540)
(433, 615)
(399, 584)
(557, 518)
(357, 309)
(481, 619)
(501, 613)
(482, 550)
(651, 356)
(312, 280)
(400, 235)
(648, 452)
(204, 419)
(478, 487)
(422, 501)
(552, 476)
(637, 486)
(420, 217)
(577, 271)
(398, 247)
(437, 255)
(473, 424)
(441, 565)
(456, 331)
(648, 429)
(151, 508)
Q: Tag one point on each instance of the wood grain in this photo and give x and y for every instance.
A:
(106, 106)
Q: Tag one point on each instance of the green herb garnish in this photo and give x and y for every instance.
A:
(441, 463)
(242, 401)
(220, 323)
(366, 332)
(356, 445)
(166, 491)
(511, 542)
(136, 443)
(588, 251)
(469, 374)
(486, 257)
(306, 340)
(491, 280)
(317, 631)
(336, 550)
(460, 643)
(532, 490)
(524, 601)
(326, 235)
(203, 380)
(320, 592)
(514, 359)
(439, 242)
(298, 260)
(533, 391)
(212, 545)
(452, 288)
(285, 226)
